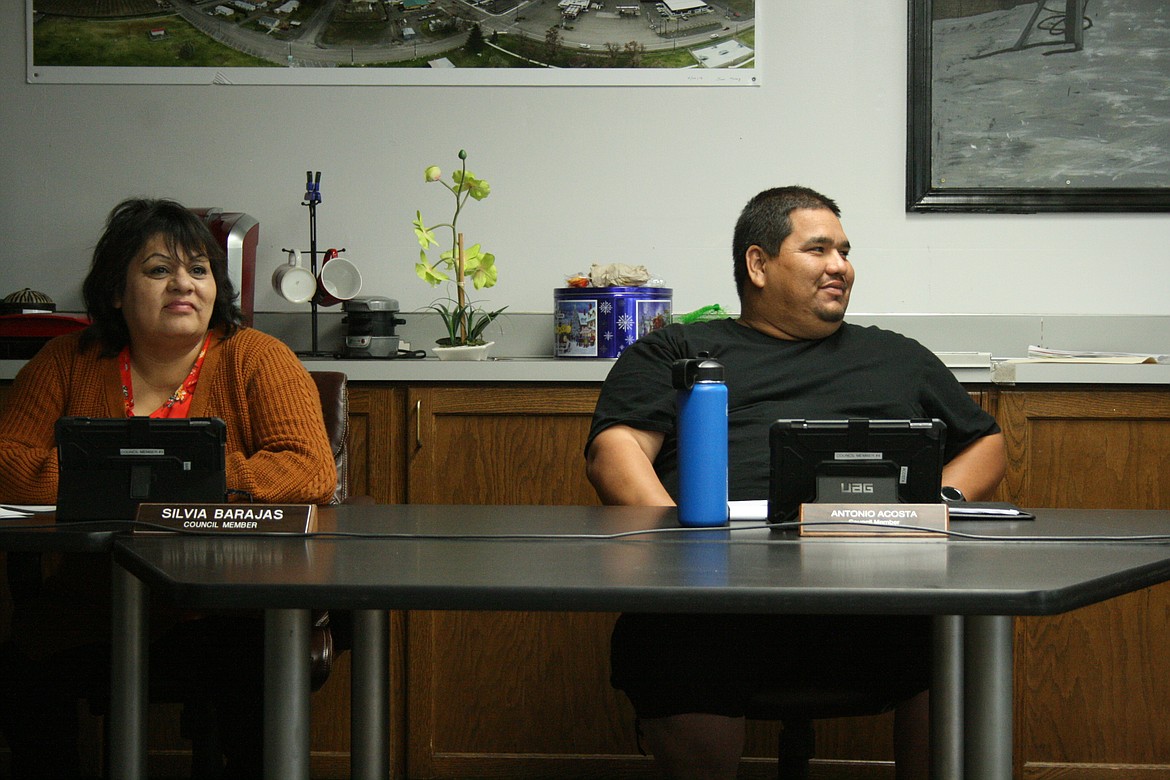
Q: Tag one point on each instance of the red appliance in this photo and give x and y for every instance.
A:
(239, 233)
(22, 335)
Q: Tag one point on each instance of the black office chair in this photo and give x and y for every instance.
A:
(796, 707)
(330, 634)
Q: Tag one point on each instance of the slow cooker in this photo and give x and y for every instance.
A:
(369, 327)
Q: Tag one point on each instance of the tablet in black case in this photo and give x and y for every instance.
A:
(109, 466)
(853, 461)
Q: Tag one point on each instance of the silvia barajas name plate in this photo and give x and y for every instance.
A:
(228, 518)
(873, 519)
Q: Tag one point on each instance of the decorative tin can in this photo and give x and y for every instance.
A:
(599, 322)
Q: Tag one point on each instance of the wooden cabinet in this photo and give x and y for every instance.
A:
(526, 695)
(377, 432)
(1092, 687)
(499, 444)
(508, 694)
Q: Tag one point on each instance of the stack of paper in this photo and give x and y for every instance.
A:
(1073, 356)
(22, 510)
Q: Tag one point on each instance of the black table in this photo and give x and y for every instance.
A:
(433, 557)
(41, 533)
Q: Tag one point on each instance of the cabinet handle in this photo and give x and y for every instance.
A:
(418, 424)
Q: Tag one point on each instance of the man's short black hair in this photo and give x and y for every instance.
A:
(765, 222)
(130, 225)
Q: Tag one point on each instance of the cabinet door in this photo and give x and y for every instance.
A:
(377, 432)
(1092, 685)
(499, 444)
(508, 694)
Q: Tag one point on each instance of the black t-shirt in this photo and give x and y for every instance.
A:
(858, 372)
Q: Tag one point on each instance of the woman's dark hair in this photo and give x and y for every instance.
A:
(131, 224)
(765, 222)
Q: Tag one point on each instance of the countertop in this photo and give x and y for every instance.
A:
(431, 369)
(980, 349)
(968, 367)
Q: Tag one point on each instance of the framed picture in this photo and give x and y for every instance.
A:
(1038, 106)
(394, 42)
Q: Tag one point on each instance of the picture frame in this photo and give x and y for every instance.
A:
(395, 43)
(980, 136)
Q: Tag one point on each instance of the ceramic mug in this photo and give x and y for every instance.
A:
(337, 280)
(293, 281)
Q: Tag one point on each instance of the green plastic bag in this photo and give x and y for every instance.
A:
(712, 312)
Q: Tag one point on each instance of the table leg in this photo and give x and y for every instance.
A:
(946, 699)
(988, 688)
(128, 675)
(286, 694)
(370, 695)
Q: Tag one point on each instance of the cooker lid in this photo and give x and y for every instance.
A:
(373, 303)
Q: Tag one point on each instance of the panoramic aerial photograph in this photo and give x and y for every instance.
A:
(491, 34)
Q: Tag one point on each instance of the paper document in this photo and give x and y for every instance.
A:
(748, 510)
(988, 510)
(23, 510)
(1073, 356)
(960, 510)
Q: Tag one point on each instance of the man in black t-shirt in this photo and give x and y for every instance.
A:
(790, 354)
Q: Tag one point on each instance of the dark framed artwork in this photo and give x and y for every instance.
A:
(1038, 106)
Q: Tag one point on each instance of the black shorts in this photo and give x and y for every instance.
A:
(681, 663)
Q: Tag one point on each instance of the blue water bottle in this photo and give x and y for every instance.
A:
(702, 441)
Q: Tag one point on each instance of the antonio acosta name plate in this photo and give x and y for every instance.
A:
(873, 520)
(228, 518)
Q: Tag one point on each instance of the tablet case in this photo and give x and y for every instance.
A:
(107, 467)
(853, 461)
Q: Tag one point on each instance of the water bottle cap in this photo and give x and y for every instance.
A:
(686, 372)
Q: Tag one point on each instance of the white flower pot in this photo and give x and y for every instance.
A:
(473, 352)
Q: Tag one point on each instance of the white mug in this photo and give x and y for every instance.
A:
(293, 281)
(337, 280)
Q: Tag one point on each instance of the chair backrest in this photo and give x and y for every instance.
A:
(334, 391)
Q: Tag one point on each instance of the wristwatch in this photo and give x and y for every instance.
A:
(951, 495)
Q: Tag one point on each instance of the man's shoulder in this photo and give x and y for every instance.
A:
(876, 334)
(688, 336)
(720, 330)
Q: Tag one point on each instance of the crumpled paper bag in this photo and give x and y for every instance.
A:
(618, 275)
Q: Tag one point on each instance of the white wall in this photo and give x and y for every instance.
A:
(652, 175)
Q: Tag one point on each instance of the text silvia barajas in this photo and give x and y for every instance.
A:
(227, 517)
(201, 518)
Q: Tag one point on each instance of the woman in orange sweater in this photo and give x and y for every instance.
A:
(165, 341)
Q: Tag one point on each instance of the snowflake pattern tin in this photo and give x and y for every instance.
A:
(600, 322)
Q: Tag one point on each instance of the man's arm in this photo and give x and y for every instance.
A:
(620, 464)
(978, 469)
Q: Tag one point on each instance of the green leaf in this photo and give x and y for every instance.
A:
(479, 321)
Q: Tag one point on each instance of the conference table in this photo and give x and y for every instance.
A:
(369, 559)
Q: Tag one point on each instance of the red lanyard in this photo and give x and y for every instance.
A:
(179, 404)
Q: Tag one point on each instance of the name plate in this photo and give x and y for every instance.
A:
(229, 518)
(873, 519)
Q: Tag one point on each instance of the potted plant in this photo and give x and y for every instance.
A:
(463, 319)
